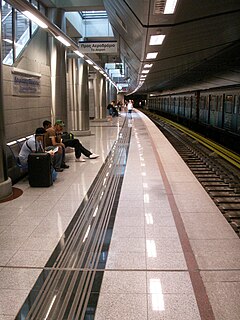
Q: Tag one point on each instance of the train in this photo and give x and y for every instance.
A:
(213, 113)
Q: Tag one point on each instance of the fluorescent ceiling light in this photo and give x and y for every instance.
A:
(152, 55)
(35, 19)
(102, 72)
(145, 71)
(65, 42)
(156, 39)
(8, 41)
(143, 75)
(11, 42)
(148, 65)
(79, 53)
(96, 67)
(89, 62)
(170, 6)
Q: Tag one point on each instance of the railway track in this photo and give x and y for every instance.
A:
(218, 171)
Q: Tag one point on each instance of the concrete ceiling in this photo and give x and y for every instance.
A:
(201, 48)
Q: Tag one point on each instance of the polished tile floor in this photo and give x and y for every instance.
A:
(32, 225)
(166, 230)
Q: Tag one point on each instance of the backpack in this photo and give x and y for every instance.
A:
(67, 136)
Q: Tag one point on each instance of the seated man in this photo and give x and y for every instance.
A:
(52, 139)
(73, 143)
(34, 144)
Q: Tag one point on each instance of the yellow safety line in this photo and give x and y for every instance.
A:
(221, 151)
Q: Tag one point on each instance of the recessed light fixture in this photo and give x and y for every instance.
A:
(79, 53)
(170, 6)
(65, 42)
(8, 41)
(89, 62)
(156, 39)
(145, 71)
(35, 19)
(152, 55)
(148, 65)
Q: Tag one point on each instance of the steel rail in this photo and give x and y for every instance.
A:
(225, 153)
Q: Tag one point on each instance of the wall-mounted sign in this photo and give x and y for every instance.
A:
(98, 47)
(26, 84)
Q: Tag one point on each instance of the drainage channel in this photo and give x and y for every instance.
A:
(69, 285)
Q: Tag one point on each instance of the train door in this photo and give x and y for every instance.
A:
(176, 105)
(203, 112)
(238, 114)
(193, 107)
(181, 106)
(228, 111)
(220, 114)
(188, 107)
(173, 103)
(168, 105)
(235, 115)
(213, 120)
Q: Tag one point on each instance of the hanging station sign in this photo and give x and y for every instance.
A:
(98, 47)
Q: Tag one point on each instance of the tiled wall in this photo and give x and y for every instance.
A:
(23, 114)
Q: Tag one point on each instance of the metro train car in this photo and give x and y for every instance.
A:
(218, 110)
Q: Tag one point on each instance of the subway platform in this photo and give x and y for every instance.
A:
(131, 235)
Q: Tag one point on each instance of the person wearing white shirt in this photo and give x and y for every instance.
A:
(34, 144)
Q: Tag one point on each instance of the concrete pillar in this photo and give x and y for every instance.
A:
(100, 97)
(5, 181)
(111, 92)
(57, 53)
(91, 90)
(96, 86)
(79, 97)
(103, 98)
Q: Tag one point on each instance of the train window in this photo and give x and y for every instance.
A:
(229, 104)
(202, 102)
(213, 103)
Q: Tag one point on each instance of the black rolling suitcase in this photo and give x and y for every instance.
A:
(39, 170)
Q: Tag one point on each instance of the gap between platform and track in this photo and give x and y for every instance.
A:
(69, 285)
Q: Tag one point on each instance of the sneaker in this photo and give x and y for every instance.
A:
(80, 159)
(64, 166)
(93, 156)
(59, 169)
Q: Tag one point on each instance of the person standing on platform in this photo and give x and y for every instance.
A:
(130, 106)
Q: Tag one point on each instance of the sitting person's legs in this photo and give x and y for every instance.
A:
(79, 149)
